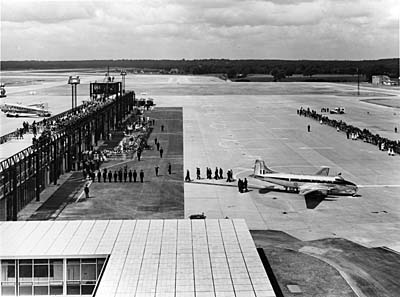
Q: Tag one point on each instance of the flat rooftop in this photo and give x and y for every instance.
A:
(149, 257)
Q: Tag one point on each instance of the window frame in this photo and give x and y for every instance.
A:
(53, 285)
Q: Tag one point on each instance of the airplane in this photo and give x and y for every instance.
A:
(337, 110)
(317, 185)
(18, 109)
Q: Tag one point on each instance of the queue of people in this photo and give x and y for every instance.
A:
(109, 175)
(354, 133)
(218, 174)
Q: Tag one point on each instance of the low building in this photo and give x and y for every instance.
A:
(131, 258)
(174, 71)
(382, 80)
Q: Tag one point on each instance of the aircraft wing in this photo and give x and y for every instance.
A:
(314, 194)
(311, 188)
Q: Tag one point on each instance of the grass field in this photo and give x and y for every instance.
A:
(329, 267)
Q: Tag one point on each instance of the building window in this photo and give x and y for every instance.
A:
(56, 276)
(8, 278)
(25, 283)
(46, 276)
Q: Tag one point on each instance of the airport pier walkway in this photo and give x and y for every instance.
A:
(58, 149)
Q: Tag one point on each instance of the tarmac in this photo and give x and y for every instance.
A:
(158, 197)
(233, 131)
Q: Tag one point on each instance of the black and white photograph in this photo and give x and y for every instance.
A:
(200, 148)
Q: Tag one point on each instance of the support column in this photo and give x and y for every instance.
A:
(55, 161)
(79, 159)
(14, 195)
(37, 175)
(69, 154)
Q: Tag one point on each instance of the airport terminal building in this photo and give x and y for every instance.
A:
(131, 258)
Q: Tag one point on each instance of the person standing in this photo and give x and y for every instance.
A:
(156, 169)
(228, 174)
(86, 190)
(198, 173)
(169, 168)
(245, 185)
(141, 174)
(105, 175)
(134, 175)
(187, 178)
(216, 173)
(158, 146)
(99, 176)
(109, 176)
(130, 175)
(161, 152)
(240, 186)
(221, 173)
(115, 176)
(120, 175)
(125, 175)
(162, 128)
(138, 155)
(155, 140)
(309, 128)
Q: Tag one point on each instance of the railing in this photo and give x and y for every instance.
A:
(8, 137)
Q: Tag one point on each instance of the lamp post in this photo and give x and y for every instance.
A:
(123, 73)
(74, 81)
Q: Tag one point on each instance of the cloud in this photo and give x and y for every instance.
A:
(265, 13)
(46, 11)
(197, 29)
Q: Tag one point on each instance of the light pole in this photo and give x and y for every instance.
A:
(74, 81)
(123, 73)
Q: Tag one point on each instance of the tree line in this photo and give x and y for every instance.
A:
(229, 68)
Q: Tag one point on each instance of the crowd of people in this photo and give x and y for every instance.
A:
(72, 118)
(354, 133)
(20, 132)
(92, 171)
(218, 175)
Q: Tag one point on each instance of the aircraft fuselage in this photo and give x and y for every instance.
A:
(334, 185)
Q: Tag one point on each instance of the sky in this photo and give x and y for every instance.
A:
(196, 29)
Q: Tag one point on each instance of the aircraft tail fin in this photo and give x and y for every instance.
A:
(261, 168)
(323, 171)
